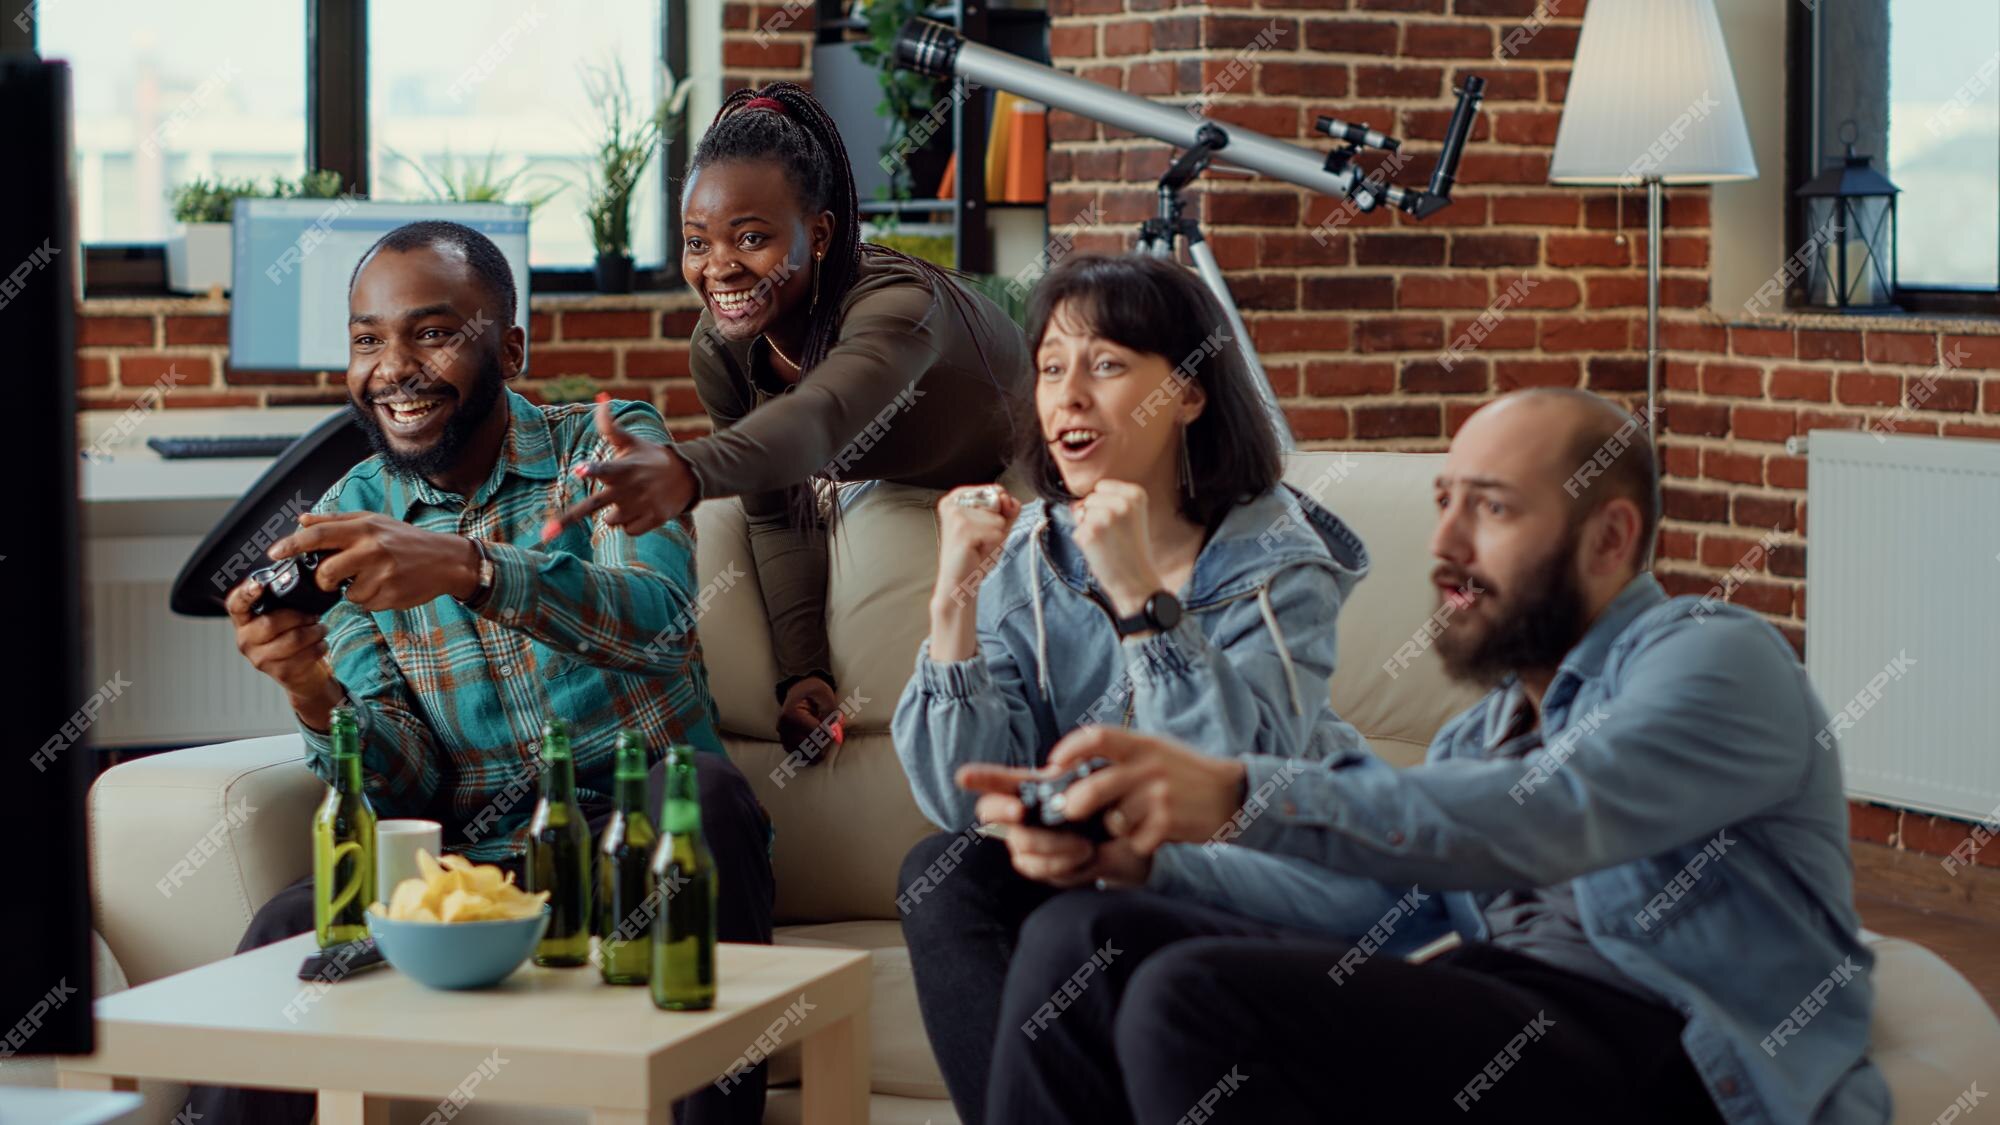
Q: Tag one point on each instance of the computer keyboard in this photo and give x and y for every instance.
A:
(225, 445)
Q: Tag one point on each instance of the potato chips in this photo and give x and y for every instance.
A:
(455, 889)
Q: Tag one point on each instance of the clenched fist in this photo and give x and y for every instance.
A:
(970, 538)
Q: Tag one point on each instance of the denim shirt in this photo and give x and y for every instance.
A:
(1245, 672)
(1679, 790)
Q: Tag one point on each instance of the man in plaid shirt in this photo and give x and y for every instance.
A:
(462, 631)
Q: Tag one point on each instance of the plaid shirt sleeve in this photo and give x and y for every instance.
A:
(629, 606)
(398, 755)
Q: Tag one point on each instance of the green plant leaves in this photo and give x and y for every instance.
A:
(204, 200)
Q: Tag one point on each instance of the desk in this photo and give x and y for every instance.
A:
(142, 517)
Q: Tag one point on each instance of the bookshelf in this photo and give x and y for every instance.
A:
(848, 89)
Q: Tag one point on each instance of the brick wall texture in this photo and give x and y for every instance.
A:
(1357, 315)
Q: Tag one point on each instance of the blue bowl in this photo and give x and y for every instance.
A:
(457, 954)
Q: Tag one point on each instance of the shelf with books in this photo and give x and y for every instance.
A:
(851, 92)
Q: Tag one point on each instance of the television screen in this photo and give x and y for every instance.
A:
(45, 955)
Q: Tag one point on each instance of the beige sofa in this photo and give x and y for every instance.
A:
(843, 826)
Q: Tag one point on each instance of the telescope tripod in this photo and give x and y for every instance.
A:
(1160, 236)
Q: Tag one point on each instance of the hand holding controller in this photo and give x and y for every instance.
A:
(292, 584)
(1043, 798)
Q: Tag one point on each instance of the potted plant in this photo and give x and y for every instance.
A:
(627, 138)
(322, 184)
(198, 254)
(907, 100)
(451, 181)
(569, 388)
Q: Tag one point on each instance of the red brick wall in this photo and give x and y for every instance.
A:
(636, 347)
(1351, 325)
(765, 42)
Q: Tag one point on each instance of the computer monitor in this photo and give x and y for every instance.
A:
(293, 257)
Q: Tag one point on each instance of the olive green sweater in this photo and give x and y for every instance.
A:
(902, 396)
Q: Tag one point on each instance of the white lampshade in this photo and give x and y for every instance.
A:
(1651, 94)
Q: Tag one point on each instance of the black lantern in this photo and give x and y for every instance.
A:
(1850, 213)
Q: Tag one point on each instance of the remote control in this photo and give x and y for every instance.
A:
(342, 960)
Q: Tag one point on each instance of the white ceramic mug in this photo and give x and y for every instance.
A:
(396, 845)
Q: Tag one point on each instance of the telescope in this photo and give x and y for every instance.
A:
(939, 51)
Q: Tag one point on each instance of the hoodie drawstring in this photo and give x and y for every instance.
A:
(1041, 638)
(1284, 651)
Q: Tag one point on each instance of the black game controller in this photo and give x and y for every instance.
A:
(289, 584)
(1042, 800)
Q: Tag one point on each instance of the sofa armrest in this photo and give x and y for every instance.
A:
(186, 845)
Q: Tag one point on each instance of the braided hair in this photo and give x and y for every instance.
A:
(785, 123)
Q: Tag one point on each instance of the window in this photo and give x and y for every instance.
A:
(496, 87)
(247, 89)
(1944, 140)
(1917, 82)
(163, 96)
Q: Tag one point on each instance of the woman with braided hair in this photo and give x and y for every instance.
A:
(818, 357)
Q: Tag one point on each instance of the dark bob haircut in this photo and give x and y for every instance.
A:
(1158, 307)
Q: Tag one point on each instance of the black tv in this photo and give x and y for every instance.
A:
(45, 769)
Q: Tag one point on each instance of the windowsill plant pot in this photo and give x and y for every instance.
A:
(200, 254)
(198, 257)
(614, 273)
(628, 136)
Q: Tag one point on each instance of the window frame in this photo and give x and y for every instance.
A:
(1801, 165)
(336, 50)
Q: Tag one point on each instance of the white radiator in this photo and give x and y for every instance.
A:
(1902, 619)
(189, 685)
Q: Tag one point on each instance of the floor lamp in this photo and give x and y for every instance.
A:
(1652, 101)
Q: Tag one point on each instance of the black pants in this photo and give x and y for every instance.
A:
(1124, 1006)
(963, 905)
(738, 833)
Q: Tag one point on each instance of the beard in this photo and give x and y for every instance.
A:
(1536, 626)
(442, 455)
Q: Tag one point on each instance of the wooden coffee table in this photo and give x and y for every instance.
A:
(558, 1037)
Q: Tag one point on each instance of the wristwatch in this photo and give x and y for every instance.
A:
(485, 589)
(1161, 613)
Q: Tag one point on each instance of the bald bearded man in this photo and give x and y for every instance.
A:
(1635, 837)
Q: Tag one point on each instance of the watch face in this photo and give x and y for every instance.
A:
(1164, 611)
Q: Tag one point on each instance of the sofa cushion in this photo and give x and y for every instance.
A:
(1386, 499)
(842, 827)
(882, 562)
(1931, 1033)
(903, 1063)
(186, 846)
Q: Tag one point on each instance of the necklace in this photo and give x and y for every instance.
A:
(781, 354)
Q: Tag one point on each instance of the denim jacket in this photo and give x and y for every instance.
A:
(1245, 672)
(1676, 784)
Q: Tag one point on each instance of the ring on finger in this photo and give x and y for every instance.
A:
(986, 497)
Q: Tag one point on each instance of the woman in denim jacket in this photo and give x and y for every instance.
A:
(1167, 580)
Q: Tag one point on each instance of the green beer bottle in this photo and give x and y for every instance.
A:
(624, 870)
(684, 875)
(559, 855)
(343, 842)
